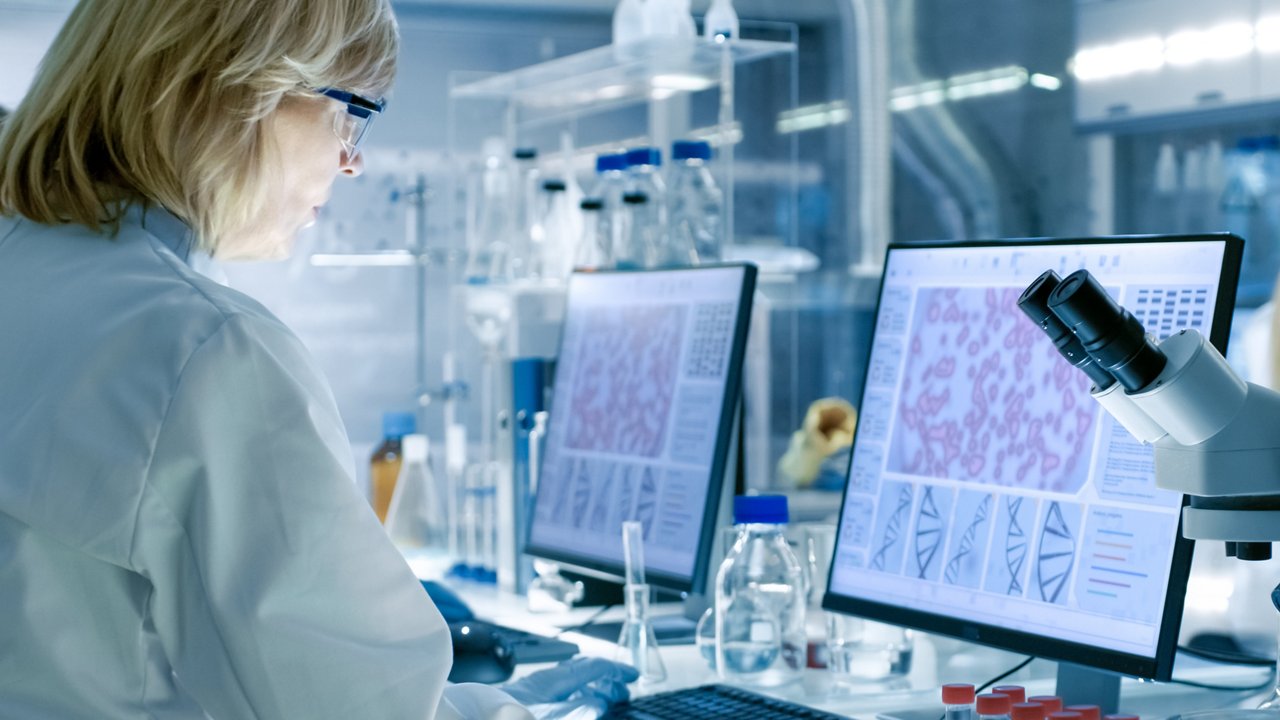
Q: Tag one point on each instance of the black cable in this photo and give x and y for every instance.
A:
(1005, 674)
(1226, 657)
(588, 622)
(1226, 688)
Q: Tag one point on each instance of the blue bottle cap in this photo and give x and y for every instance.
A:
(398, 424)
(644, 156)
(770, 509)
(605, 163)
(690, 150)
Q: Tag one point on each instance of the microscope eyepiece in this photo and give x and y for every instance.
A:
(1108, 332)
(1034, 303)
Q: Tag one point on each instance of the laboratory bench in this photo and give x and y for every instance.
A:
(936, 660)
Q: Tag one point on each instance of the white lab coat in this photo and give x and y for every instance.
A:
(180, 533)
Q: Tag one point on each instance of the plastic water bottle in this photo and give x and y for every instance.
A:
(611, 185)
(721, 22)
(760, 598)
(993, 707)
(696, 204)
(957, 699)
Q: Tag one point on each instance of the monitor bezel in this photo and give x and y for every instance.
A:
(1158, 667)
(720, 461)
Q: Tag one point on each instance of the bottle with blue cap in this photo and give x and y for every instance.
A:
(611, 185)
(760, 598)
(696, 206)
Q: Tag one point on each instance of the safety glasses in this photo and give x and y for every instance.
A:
(352, 125)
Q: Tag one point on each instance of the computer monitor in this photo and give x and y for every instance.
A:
(647, 382)
(988, 496)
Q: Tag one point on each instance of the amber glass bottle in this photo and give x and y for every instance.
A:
(384, 466)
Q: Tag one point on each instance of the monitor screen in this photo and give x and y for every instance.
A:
(646, 386)
(988, 496)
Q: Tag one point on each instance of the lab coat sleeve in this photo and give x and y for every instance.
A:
(275, 592)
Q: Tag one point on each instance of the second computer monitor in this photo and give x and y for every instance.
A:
(647, 382)
(989, 497)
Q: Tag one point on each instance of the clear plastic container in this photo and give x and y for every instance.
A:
(696, 204)
(644, 175)
(384, 465)
(993, 707)
(611, 185)
(417, 519)
(760, 599)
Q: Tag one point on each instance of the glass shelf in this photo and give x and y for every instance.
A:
(607, 76)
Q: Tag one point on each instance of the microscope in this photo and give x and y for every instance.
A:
(1212, 432)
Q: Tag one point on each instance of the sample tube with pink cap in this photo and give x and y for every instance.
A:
(1016, 693)
(1027, 711)
(1051, 703)
(1088, 712)
(993, 707)
(958, 700)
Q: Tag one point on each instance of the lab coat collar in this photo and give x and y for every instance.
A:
(167, 228)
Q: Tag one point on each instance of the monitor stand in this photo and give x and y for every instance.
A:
(669, 628)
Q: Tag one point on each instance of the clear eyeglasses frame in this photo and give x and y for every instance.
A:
(352, 126)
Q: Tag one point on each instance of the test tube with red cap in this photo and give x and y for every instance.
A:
(1064, 715)
(993, 707)
(958, 699)
(1088, 712)
(1016, 693)
(1051, 703)
(1027, 711)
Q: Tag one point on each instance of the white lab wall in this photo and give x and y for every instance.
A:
(26, 30)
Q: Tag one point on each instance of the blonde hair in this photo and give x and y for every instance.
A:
(164, 101)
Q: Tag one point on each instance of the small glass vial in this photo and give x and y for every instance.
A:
(1051, 703)
(957, 699)
(1016, 693)
(1027, 711)
(1064, 715)
(1088, 712)
(993, 707)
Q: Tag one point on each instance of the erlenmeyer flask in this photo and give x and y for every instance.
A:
(637, 644)
(416, 519)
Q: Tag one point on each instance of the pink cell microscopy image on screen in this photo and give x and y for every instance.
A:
(985, 397)
(625, 379)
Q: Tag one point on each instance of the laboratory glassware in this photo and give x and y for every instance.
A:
(384, 465)
(696, 207)
(637, 643)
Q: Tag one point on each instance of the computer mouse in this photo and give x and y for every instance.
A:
(479, 655)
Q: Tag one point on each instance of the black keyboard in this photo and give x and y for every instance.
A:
(527, 647)
(713, 702)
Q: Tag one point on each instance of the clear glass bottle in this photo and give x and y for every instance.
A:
(721, 21)
(417, 519)
(634, 246)
(525, 222)
(644, 175)
(555, 241)
(696, 207)
(487, 244)
(594, 250)
(384, 464)
(611, 185)
(760, 599)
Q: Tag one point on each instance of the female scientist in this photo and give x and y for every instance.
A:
(180, 533)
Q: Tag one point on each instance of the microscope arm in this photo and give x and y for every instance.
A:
(1222, 446)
